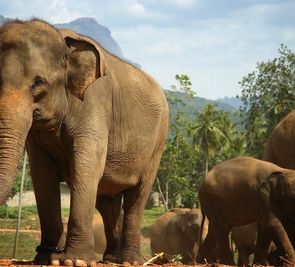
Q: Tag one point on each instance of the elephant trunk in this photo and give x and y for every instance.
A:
(14, 127)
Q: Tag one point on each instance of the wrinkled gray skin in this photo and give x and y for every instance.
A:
(87, 118)
(177, 232)
(256, 191)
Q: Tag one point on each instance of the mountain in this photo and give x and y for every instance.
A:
(195, 104)
(3, 19)
(98, 32)
(90, 27)
(235, 102)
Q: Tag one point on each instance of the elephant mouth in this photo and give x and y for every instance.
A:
(42, 121)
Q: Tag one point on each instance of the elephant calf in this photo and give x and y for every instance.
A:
(245, 190)
(177, 232)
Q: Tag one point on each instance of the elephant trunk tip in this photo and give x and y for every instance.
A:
(5, 190)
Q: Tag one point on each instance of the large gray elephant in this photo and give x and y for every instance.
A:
(88, 118)
(245, 190)
(280, 148)
(177, 232)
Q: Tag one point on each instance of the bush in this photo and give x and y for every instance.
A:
(12, 212)
(8, 213)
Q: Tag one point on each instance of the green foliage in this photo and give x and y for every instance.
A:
(268, 94)
(12, 212)
(213, 132)
(17, 182)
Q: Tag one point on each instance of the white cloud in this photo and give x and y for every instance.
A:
(136, 9)
(59, 12)
(183, 3)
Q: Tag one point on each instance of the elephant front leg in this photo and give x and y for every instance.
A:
(278, 234)
(88, 165)
(44, 174)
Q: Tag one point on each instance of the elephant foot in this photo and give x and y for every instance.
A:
(78, 260)
(48, 255)
(79, 263)
(129, 258)
(110, 258)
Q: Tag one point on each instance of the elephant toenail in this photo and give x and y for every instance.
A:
(93, 264)
(55, 262)
(80, 263)
(126, 264)
(68, 262)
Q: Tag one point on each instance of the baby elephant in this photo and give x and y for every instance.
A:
(177, 232)
(245, 190)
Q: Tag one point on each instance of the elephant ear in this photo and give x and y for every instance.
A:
(273, 183)
(86, 62)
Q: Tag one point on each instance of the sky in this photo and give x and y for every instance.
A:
(214, 42)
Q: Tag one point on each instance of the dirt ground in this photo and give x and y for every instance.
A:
(12, 263)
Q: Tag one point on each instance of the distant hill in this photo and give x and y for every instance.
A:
(197, 103)
(236, 102)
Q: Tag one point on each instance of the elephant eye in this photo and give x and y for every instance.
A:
(38, 81)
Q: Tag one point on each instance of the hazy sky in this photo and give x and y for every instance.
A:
(215, 42)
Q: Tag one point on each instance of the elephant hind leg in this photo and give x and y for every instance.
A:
(111, 212)
(135, 199)
(225, 253)
(208, 249)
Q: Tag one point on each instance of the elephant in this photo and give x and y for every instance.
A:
(241, 191)
(86, 118)
(280, 151)
(177, 232)
(280, 148)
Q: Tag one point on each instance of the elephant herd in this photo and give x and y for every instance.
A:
(99, 124)
(251, 199)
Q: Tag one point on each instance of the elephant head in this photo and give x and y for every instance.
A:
(280, 186)
(189, 223)
(41, 68)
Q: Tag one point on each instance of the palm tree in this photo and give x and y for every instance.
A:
(210, 130)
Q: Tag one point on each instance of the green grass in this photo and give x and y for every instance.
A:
(25, 249)
(30, 221)
(149, 216)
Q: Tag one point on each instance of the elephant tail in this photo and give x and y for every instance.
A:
(201, 229)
